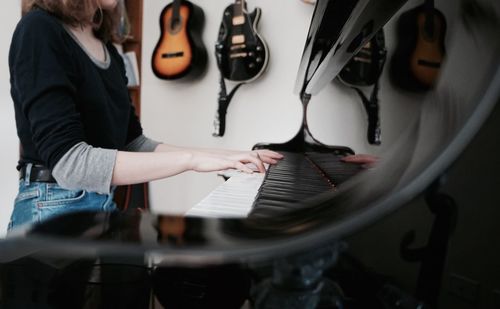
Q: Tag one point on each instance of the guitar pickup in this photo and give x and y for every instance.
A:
(238, 20)
(238, 39)
(239, 46)
(172, 55)
(238, 55)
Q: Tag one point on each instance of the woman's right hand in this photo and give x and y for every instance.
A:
(137, 167)
(210, 162)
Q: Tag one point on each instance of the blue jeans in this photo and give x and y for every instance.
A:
(39, 201)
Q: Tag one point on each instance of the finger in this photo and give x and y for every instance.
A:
(360, 158)
(255, 159)
(270, 157)
(242, 167)
(268, 160)
(270, 153)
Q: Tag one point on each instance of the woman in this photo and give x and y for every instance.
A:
(79, 133)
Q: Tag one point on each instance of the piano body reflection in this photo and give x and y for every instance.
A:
(338, 30)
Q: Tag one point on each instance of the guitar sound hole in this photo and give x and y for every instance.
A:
(175, 25)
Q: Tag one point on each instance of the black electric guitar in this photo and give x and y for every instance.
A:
(364, 69)
(180, 51)
(242, 55)
(420, 52)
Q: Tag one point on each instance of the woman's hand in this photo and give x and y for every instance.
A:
(268, 156)
(208, 162)
(364, 159)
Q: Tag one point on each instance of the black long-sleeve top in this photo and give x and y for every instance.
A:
(61, 97)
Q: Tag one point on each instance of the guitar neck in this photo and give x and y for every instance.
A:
(429, 4)
(176, 10)
(429, 10)
(239, 8)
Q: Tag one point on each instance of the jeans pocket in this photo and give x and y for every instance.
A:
(26, 195)
(58, 201)
(24, 206)
(57, 196)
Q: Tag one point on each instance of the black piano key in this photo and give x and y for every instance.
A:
(299, 176)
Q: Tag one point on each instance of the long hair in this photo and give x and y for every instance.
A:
(82, 12)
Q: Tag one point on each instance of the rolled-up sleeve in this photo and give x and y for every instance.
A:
(142, 144)
(86, 167)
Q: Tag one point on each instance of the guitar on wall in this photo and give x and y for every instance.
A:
(420, 52)
(180, 52)
(365, 69)
(242, 54)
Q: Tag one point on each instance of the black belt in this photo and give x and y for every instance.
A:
(38, 174)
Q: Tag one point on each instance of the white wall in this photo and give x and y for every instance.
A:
(10, 13)
(264, 111)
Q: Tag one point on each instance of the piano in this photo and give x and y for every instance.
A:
(119, 260)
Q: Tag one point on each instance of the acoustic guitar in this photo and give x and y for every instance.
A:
(242, 55)
(420, 52)
(180, 52)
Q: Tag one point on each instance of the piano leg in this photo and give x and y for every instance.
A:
(297, 282)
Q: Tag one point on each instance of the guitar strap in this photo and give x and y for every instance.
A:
(352, 75)
(224, 100)
(372, 110)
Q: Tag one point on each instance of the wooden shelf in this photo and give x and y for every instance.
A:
(131, 41)
(135, 196)
(134, 43)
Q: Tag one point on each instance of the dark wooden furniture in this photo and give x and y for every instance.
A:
(135, 196)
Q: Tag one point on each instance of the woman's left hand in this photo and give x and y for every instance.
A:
(364, 159)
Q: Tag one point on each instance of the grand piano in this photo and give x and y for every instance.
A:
(283, 247)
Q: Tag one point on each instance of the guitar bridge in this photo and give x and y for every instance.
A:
(238, 55)
(238, 46)
(172, 55)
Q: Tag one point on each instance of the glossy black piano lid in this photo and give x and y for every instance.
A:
(450, 116)
(337, 31)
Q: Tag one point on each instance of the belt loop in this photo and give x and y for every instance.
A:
(27, 175)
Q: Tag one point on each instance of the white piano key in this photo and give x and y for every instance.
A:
(233, 199)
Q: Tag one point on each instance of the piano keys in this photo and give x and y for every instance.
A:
(232, 199)
(298, 176)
